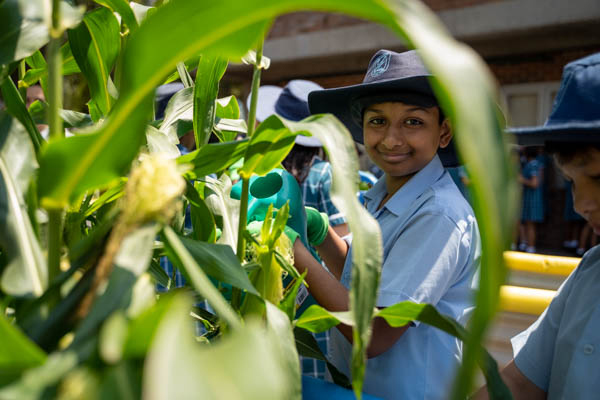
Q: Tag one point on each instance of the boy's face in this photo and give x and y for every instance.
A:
(401, 138)
(584, 172)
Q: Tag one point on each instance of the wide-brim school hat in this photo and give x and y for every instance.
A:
(575, 115)
(267, 97)
(390, 76)
(291, 103)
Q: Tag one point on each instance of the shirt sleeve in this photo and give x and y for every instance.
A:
(426, 259)
(534, 347)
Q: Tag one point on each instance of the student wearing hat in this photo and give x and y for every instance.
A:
(430, 237)
(557, 356)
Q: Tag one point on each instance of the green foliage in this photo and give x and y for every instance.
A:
(99, 321)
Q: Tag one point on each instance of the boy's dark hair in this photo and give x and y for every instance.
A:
(564, 152)
(299, 160)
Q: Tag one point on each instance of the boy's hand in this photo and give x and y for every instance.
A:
(317, 224)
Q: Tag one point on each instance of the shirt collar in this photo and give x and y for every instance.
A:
(408, 193)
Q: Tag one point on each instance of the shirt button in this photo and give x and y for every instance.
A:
(588, 349)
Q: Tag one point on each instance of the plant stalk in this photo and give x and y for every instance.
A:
(254, 93)
(241, 243)
(22, 71)
(56, 131)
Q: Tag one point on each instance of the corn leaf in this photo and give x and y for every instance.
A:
(209, 73)
(26, 272)
(16, 107)
(176, 365)
(124, 10)
(17, 353)
(95, 44)
(217, 261)
(198, 279)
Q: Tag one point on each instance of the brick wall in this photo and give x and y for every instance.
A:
(309, 21)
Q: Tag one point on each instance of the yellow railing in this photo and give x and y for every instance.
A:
(532, 300)
(539, 263)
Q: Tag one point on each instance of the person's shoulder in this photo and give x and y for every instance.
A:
(444, 198)
(590, 261)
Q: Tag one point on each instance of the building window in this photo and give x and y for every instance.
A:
(529, 104)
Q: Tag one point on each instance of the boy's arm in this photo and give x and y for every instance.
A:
(520, 386)
(333, 251)
(333, 296)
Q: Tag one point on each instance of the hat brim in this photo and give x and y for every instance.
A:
(338, 101)
(267, 97)
(565, 132)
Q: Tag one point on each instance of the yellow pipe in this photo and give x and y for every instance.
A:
(525, 300)
(539, 263)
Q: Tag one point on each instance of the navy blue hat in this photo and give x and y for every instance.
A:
(575, 114)
(390, 76)
(163, 95)
(292, 104)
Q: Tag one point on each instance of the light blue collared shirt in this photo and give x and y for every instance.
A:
(560, 352)
(431, 252)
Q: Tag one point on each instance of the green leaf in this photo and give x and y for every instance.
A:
(39, 68)
(203, 221)
(161, 142)
(24, 28)
(124, 10)
(307, 346)
(179, 109)
(184, 75)
(288, 304)
(132, 259)
(366, 242)
(209, 73)
(268, 146)
(141, 11)
(95, 45)
(199, 280)
(213, 157)
(282, 340)
(142, 328)
(220, 203)
(16, 107)
(242, 365)
(26, 273)
(18, 352)
(35, 380)
(228, 108)
(317, 319)
(219, 262)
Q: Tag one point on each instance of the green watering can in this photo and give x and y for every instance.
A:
(276, 188)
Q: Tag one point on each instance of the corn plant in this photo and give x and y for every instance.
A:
(85, 219)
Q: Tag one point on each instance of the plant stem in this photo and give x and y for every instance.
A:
(22, 90)
(55, 75)
(56, 131)
(241, 243)
(254, 93)
(54, 243)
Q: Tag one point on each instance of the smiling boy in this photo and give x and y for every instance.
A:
(429, 233)
(558, 357)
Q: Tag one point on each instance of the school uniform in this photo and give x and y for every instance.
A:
(316, 191)
(431, 253)
(533, 198)
(560, 352)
